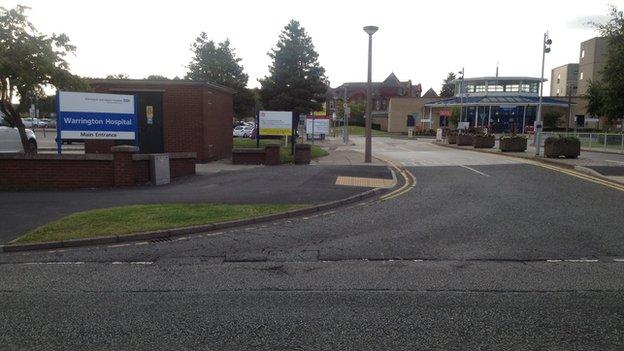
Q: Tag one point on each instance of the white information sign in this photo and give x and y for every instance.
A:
(317, 125)
(275, 122)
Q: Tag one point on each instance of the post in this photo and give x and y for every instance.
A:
(345, 122)
(258, 129)
(538, 118)
(59, 141)
(370, 30)
(569, 107)
(524, 118)
(461, 97)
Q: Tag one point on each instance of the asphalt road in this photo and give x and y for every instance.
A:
(22, 211)
(477, 256)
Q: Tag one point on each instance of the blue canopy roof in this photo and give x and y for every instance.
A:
(497, 100)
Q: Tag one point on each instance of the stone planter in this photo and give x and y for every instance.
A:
(484, 141)
(465, 139)
(558, 147)
(303, 154)
(451, 138)
(513, 144)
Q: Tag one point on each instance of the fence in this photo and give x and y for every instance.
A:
(595, 141)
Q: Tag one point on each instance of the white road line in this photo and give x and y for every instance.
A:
(618, 259)
(612, 161)
(474, 170)
(582, 261)
(142, 263)
(53, 263)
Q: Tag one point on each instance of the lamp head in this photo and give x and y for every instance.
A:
(370, 30)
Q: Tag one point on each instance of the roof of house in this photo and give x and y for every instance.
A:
(156, 83)
(430, 94)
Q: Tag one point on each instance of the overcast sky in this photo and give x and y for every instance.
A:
(421, 41)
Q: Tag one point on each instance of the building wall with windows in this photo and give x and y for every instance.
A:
(564, 80)
(592, 58)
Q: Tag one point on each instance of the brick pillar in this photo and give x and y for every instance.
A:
(272, 155)
(123, 170)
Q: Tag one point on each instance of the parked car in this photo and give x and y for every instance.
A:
(243, 131)
(10, 141)
(33, 122)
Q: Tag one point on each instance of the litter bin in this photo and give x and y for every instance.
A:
(303, 154)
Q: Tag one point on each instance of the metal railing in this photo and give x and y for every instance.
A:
(606, 142)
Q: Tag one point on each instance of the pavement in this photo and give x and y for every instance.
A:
(485, 252)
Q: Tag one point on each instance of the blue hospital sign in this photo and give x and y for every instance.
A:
(96, 116)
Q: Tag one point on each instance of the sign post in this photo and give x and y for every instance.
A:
(95, 116)
(276, 123)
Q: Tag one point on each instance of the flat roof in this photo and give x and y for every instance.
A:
(501, 79)
(517, 100)
(156, 83)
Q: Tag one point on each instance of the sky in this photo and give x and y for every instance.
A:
(417, 40)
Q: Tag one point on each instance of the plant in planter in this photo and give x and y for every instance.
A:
(451, 137)
(513, 143)
(484, 141)
(464, 139)
(568, 147)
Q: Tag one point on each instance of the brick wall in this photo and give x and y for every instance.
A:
(19, 172)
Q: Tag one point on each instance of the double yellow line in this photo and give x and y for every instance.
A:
(577, 175)
(410, 181)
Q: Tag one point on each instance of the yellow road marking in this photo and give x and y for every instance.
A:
(410, 182)
(364, 182)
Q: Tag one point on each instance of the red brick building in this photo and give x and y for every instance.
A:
(381, 93)
(175, 116)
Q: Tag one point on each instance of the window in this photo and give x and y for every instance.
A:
(558, 91)
(512, 88)
(525, 88)
(534, 87)
(581, 76)
(583, 53)
(495, 87)
(3, 123)
(470, 88)
(558, 78)
(480, 89)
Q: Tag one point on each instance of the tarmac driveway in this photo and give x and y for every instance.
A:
(22, 211)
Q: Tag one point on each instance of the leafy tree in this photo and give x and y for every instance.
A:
(455, 113)
(596, 99)
(156, 77)
(448, 88)
(118, 76)
(217, 63)
(608, 97)
(296, 80)
(30, 60)
(551, 119)
(358, 108)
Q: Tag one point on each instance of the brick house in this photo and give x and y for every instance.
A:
(381, 93)
(175, 116)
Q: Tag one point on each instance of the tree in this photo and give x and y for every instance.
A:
(118, 76)
(608, 96)
(448, 88)
(156, 77)
(455, 113)
(596, 99)
(29, 61)
(296, 80)
(551, 119)
(357, 107)
(217, 63)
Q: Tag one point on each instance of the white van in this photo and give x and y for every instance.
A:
(10, 141)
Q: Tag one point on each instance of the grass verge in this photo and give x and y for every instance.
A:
(140, 218)
(285, 156)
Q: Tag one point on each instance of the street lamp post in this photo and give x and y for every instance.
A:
(461, 96)
(538, 119)
(370, 30)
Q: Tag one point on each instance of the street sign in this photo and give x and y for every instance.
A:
(96, 116)
(317, 125)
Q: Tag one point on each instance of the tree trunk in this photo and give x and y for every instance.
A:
(14, 119)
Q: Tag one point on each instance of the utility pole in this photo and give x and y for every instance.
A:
(370, 30)
(538, 118)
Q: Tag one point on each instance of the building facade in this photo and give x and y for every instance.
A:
(381, 93)
(592, 59)
(564, 80)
